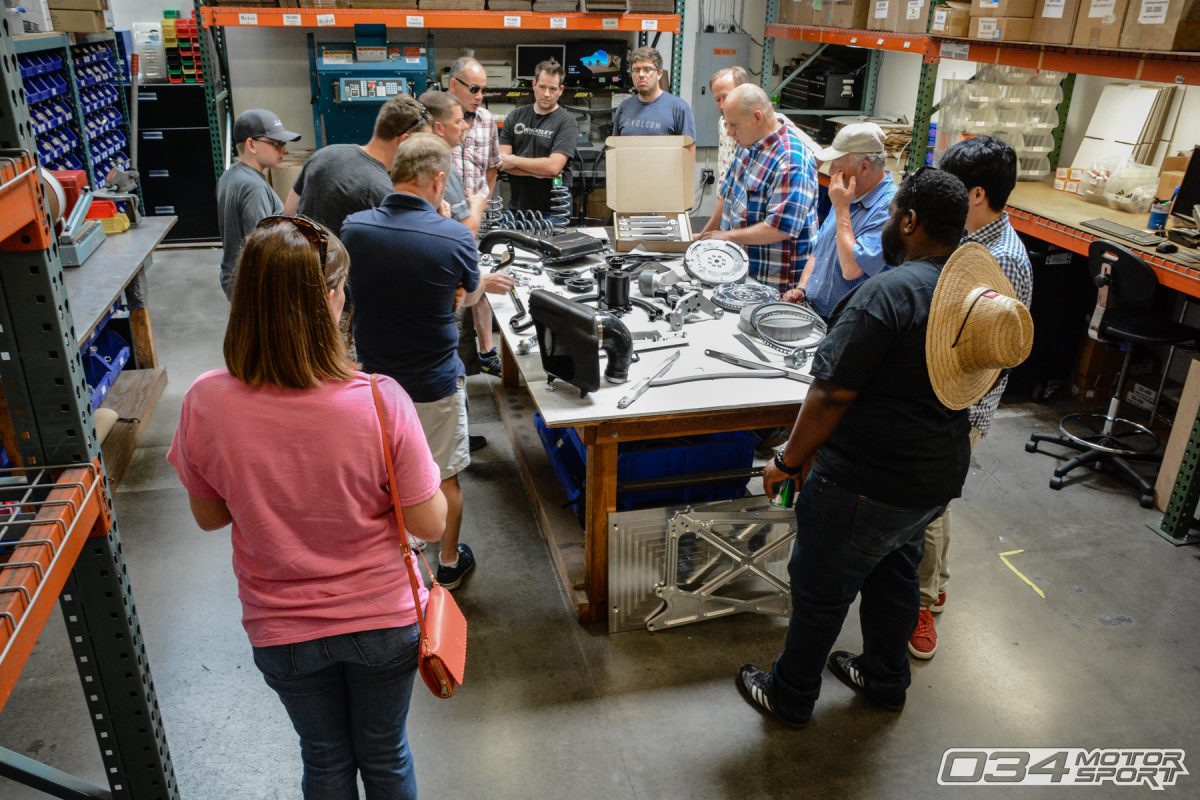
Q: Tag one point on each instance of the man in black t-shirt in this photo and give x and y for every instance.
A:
(537, 142)
(889, 457)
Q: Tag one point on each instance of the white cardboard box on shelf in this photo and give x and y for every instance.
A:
(651, 175)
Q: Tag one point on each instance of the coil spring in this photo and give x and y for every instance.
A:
(560, 206)
(493, 214)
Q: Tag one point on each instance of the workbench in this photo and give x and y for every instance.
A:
(689, 409)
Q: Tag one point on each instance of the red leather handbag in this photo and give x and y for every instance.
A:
(442, 658)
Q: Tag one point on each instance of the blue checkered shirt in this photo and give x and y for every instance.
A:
(1002, 241)
(827, 285)
(774, 181)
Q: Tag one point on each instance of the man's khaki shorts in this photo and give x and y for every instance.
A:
(445, 424)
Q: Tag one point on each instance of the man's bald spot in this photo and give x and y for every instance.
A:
(744, 100)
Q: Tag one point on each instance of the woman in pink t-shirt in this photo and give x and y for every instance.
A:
(284, 444)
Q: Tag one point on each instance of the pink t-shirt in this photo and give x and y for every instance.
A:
(315, 546)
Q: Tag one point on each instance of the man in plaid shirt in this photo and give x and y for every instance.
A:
(477, 160)
(768, 200)
(988, 168)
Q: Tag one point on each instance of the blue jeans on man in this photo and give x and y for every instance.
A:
(847, 544)
(348, 698)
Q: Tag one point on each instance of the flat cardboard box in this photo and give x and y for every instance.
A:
(898, 16)
(1099, 23)
(1054, 21)
(78, 21)
(79, 5)
(1003, 8)
(651, 175)
(1001, 29)
(952, 19)
(1181, 431)
(35, 18)
(1168, 181)
(841, 13)
(796, 12)
(1162, 25)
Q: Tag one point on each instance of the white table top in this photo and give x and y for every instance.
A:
(560, 403)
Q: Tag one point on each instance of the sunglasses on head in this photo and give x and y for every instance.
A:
(472, 88)
(314, 233)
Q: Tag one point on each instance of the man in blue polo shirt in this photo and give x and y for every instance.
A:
(411, 268)
(849, 249)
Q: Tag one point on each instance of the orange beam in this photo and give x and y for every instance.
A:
(852, 37)
(74, 510)
(226, 16)
(23, 225)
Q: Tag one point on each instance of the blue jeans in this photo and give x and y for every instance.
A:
(348, 699)
(846, 544)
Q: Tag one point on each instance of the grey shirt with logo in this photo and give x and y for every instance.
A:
(244, 198)
(534, 135)
(666, 115)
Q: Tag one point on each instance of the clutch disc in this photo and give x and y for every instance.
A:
(784, 327)
(715, 261)
(736, 296)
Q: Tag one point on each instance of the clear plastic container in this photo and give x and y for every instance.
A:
(1045, 95)
(1036, 144)
(1048, 77)
(979, 120)
(1041, 120)
(1032, 168)
(1014, 139)
(1016, 76)
(1010, 119)
(1014, 97)
(979, 94)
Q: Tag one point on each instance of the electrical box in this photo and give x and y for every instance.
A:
(351, 80)
(714, 51)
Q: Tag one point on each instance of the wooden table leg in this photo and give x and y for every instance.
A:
(144, 351)
(510, 373)
(601, 499)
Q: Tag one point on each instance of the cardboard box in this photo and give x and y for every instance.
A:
(1096, 370)
(1162, 25)
(898, 16)
(79, 5)
(841, 13)
(1054, 21)
(796, 12)
(1001, 29)
(78, 21)
(1181, 431)
(1003, 8)
(1168, 181)
(1099, 23)
(35, 18)
(283, 177)
(651, 175)
(952, 19)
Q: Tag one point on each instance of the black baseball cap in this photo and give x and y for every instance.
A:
(259, 123)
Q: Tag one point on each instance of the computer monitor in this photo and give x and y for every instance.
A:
(597, 63)
(530, 55)
(1188, 196)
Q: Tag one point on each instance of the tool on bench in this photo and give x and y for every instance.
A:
(640, 388)
(754, 365)
(751, 346)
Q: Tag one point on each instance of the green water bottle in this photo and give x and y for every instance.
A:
(786, 496)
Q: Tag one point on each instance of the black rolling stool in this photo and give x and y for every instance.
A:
(1126, 287)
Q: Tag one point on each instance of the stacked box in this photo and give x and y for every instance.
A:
(796, 12)
(951, 19)
(841, 13)
(1054, 21)
(1099, 23)
(1158, 25)
(898, 16)
(1002, 20)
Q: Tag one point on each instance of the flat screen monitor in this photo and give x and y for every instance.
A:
(530, 55)
(597, 64)
(1188, 196)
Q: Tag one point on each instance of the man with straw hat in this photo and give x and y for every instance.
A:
(885, 417)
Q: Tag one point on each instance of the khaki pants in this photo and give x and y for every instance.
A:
(934, 570)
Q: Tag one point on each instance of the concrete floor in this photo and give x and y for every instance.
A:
(555, 710)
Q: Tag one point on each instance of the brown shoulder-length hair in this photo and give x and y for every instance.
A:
(281, 331)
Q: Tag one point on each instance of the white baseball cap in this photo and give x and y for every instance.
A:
(857, 137)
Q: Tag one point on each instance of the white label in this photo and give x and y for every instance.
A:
(881, 9)
(511, 21)
(940, 18)
(1154, 12)
(914, 9)
(325, 20)
(292, 20)
(412, 60)
(988, 29)
(610, 23)
(959, 51)
(414, 21)
(1053, 9)
(989, 3)
(247, 19)
(649, 24)
(558, 23)
(1101, 9)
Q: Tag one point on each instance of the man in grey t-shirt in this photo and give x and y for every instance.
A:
(244, 197)
(652, 112)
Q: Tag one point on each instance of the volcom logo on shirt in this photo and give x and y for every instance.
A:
(650, 124)
(521, 128)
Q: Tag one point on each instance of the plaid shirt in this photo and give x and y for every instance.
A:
(1002, 241)
(727, 146)
(479, 152)
(774, 181)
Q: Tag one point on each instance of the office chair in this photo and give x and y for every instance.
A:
(1108, 441)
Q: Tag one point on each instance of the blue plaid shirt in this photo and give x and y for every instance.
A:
(827, 285)
(1002, 241)
(774, 181)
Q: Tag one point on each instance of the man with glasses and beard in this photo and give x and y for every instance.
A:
(651, 112)
(244, 198)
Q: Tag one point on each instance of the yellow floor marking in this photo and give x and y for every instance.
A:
(1017, 572)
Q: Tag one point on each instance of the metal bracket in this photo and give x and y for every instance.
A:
(690, 303)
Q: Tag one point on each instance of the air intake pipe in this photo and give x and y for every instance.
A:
(617, 341)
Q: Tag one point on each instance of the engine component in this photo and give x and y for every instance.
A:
(784, 327)
(716, 261)
(691, 302)
(736, 296)
(655, 281)
(570, 336)
(557, 249)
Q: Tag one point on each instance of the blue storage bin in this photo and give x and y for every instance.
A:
(103, 360)
(691, 455)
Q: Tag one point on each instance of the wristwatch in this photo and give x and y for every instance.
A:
(782, 466)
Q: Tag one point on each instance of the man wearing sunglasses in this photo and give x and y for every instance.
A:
(244, 197)
(652, 112)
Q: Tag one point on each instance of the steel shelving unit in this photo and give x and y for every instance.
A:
(58, 536)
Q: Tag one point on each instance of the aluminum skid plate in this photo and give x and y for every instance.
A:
(673, 566)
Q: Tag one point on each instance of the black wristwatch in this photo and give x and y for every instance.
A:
(782, 466)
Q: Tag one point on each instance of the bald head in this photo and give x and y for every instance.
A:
(749, 115)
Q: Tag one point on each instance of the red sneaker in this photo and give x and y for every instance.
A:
(940, 605)
(923, 642)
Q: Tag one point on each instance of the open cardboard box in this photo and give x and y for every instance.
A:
(651, 175)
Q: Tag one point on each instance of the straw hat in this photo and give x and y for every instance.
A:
(976, 327)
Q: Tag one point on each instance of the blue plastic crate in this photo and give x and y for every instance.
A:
(103, 360)
(691, 455)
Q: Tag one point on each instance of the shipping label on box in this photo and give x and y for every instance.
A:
(1001, 29)
(1054, 21)
(1099, 23)
(1003, 8)
(952, 19)
(1073, 187)
(1162, 25)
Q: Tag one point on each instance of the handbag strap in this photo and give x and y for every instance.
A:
(390, 462)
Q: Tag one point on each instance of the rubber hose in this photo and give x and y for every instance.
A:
(617, 341)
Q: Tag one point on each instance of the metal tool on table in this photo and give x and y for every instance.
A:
(751, 346)
(691, 301)
(754, 365)
(640, 388)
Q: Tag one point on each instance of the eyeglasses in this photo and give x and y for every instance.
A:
(472, 88)
(317, 236)
(644, 70)
(277, 145)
